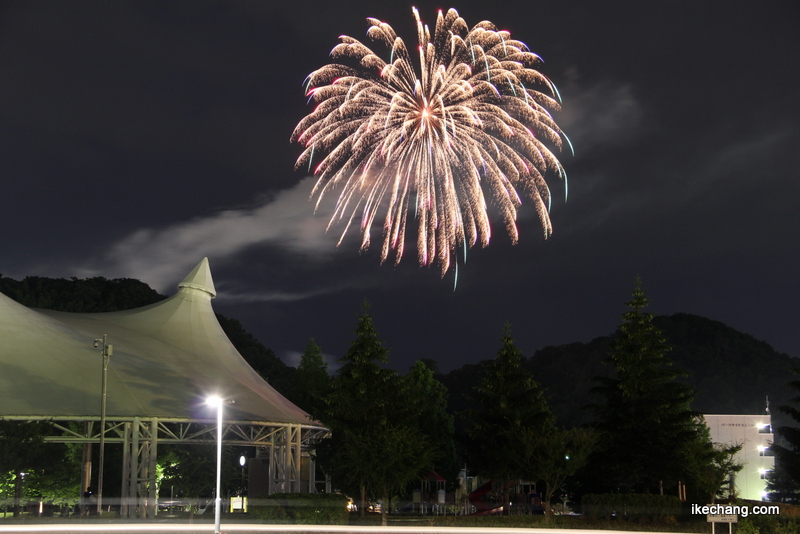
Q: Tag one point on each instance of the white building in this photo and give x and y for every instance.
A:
(754, 433)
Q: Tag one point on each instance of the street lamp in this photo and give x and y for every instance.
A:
(217, 402)
(106, 350)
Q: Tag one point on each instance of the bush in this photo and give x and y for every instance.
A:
(631, 506)
(763, 524)
(301, 508)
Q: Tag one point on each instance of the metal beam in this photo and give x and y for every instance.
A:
(285, 443)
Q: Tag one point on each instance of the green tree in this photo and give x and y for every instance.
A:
(22, 449)
(189, 472)
(436, 424)
(59, 479)
(506, 403)
(312, 383)
(710, 466)
(552, 455)
(371, 421)
(646, 418)
(379, 463)
(54, 480)
(784, 486)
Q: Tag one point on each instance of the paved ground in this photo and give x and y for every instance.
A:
(73, 527)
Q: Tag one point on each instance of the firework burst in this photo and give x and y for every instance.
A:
(472, 123)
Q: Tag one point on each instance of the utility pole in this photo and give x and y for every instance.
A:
(106, 350)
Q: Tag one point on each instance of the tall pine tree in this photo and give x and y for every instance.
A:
(645, 418)
(375, 448)
(433, 420)
(506, 404)
(312, 384)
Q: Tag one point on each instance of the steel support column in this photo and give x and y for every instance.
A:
(152, 475)
(133, 477)
(124, 496)
(296, 468)
(272, 464)
(312, 475)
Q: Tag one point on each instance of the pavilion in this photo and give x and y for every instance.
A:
(167, 358)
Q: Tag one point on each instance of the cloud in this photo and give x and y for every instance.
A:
(753, 154)
(598, 116)
(285, 220)
(278, 295)
(293, 357)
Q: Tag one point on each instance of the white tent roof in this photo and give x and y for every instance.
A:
(167, 358)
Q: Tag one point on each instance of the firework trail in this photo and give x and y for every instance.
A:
(472, 122)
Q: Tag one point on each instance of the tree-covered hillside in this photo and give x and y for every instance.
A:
(730, 372)
(76, 295)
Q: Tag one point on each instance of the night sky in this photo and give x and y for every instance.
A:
(137, 138)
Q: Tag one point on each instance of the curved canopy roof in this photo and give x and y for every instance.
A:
(167, 358)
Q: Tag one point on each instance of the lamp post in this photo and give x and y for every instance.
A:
(217, 402)
(106, 350)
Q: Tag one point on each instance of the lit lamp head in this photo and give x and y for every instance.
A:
(214, 401)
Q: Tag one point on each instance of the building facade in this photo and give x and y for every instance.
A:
(754, 433)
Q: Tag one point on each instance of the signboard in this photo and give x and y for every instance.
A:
(238, 504)
(722, 518)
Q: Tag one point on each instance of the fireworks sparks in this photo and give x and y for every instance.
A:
(471, 125)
